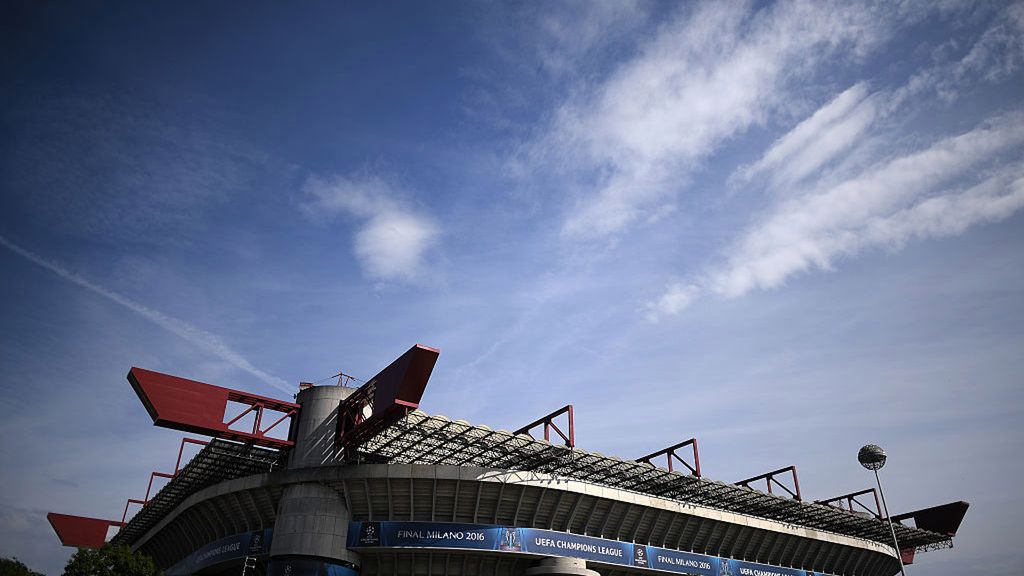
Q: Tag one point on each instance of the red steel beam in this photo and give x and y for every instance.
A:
(851, 499)
(124, 517)
(387, 397)
(181, 450)
(549, 425)
(671, 455)
(150, 487)
(83, 532)
(197, 407)
(79, 531)
(944, 519)
(769, 477)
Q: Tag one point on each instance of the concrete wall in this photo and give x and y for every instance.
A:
(318, 422)
(312, 521)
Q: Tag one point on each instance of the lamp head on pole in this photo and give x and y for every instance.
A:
(871, 457)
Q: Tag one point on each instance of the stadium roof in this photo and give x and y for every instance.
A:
(423, 439)
(419, 438)
(218, 461)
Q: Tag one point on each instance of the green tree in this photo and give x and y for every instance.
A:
(13, 567)
(110, 560)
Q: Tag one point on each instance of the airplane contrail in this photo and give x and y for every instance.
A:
(198, 337)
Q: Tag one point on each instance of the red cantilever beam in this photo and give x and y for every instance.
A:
(389, 396)
(79, 531)
(851, 499)
(769, 477)
(181, 451)
(124, 517)
(153, 475)
(549, 424)
(192, 406)
(670, 453)
(944, 519)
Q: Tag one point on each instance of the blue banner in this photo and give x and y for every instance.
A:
(552, 543)
(423, 535)
(681, 562)
(226, 549)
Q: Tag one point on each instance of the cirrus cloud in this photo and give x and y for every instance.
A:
(708, 75)
(957, 182)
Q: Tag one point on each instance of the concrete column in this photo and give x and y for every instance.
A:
(559, 566)
(317, 426)
(312, 522)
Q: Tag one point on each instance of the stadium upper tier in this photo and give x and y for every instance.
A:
(495, 456)
(366, 484)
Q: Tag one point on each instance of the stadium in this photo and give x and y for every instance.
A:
(365, 483)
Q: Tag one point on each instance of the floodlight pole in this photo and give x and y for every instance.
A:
(892, 529)
(873, 458)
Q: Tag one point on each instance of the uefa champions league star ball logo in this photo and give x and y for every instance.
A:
(639, 556)
(256, 544)
(369, 534)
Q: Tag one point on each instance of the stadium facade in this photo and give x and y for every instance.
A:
(365, 483)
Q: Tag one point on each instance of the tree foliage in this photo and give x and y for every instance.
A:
(110, 560)
(13, 567)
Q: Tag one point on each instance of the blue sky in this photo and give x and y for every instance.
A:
(787, 229)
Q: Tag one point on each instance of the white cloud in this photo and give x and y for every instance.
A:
(1000, 50)
(821, 215)
(393, 240)
(994, 56)
(810, 230)
(835, 127)
(199, 338)
(994, 199)
(572, 31)
(913, 196)
(677, 297)
(707, 76)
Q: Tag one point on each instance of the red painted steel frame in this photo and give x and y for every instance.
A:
(549, 424)
(177, 468)
(79, 531)
(150, 487)
(944, 519)
(907, 555)
(92, 532)
(131, 501)
(670, 453)
(197, 407)
(181, 450)
(352, 414)
(851, 499)
(391, 394)
(769, 477)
